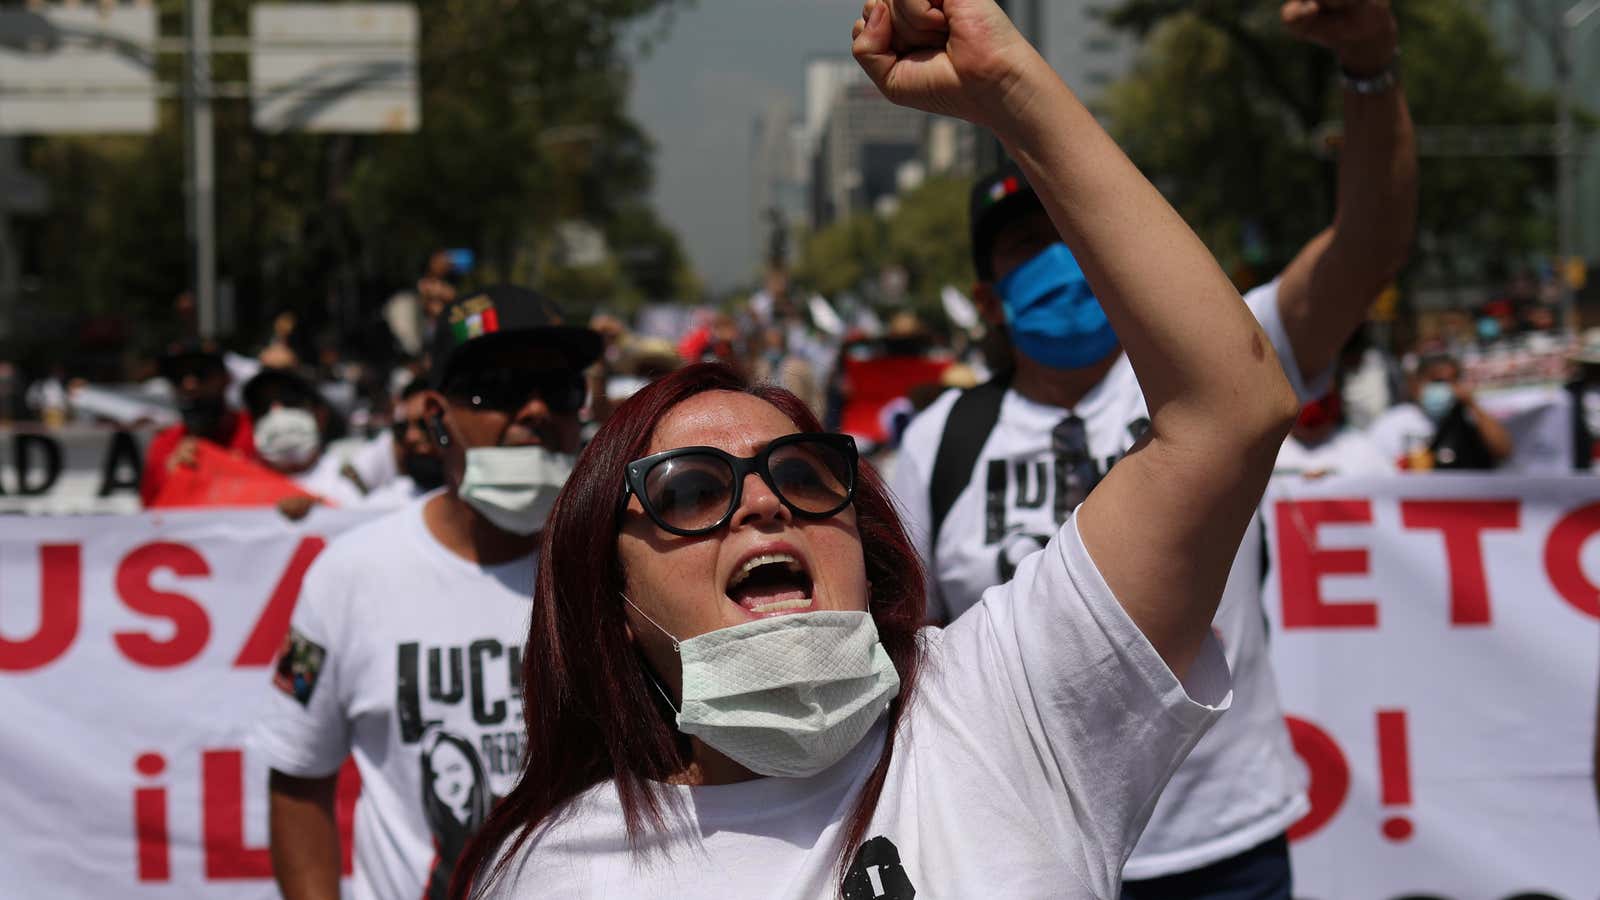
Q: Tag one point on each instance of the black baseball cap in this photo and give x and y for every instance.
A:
(506, 315)
(997, 199)
(192, 356)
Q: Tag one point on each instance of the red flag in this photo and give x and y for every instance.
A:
(875, 382)
(220, 478)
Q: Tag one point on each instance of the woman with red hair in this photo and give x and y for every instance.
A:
(726, 690)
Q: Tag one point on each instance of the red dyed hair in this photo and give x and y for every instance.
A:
(589, 708)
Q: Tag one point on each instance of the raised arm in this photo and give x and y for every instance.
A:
(1164, 525)
(1326, 290)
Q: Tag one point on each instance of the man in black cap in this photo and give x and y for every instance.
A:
(405, 647)
(987, 475)
(200, 379)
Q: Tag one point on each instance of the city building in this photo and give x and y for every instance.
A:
(779, 179)
(1088, 54)
(860, 151)
(1526, 31)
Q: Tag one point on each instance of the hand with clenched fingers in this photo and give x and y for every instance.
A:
(1362, 33)
(959, 58)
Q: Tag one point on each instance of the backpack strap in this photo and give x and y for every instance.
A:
(971, 419)
(1582, 440)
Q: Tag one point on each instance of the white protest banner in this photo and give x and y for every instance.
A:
(70, 471)
(1437, 644)
(1437, 641)
(134, 652)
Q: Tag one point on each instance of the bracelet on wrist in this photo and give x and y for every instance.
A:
(1372, 85)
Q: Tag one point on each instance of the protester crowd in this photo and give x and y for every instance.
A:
(265, 427)
(1072, 733)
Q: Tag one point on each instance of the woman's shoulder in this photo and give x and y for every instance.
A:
(551, 860)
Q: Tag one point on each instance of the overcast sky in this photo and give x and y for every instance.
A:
(698, 94)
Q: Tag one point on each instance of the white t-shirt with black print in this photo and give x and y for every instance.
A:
(1042, 731)
(409, 657)
(1242, 785)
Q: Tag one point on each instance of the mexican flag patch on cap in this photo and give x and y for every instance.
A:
(474, 318)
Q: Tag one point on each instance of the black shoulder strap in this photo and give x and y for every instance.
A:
(971, 419)
(1582, 440)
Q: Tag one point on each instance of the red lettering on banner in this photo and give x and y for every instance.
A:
(150, 822)
(1563, 563)
(349, 792)
(1302, 564)
(60, 600)
(222, 819)
(1462, 522)
(191, 627)
(1330, 776)
(266, 639)
(1394, 771)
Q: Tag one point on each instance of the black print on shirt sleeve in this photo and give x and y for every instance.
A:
(299, 664)
(876, 873)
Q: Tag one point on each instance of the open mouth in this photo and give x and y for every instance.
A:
(771, 583)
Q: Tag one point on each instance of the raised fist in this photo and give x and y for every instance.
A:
(953, 57)
(1361, 32)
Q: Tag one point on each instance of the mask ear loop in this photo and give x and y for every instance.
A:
(676, 648)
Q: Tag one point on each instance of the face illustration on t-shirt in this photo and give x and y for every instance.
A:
(462, 704)
(474, 687)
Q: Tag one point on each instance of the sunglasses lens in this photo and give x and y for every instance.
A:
(510, 390)
(815, 476)
(690, 492)
(563, 394)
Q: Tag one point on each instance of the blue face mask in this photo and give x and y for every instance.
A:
(1053, 316)
(1436, 398)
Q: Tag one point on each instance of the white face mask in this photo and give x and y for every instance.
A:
(287, 438)
(786, 696)
(514, 487)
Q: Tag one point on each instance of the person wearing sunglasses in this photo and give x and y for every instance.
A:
(729, 688)
(413, 624)
(418, 468)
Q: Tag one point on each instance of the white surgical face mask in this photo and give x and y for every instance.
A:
(287, 438)
(787, 696)
(514, 487)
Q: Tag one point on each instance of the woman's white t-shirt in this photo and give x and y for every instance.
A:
(1040, 736)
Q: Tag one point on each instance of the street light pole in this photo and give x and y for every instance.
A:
(200, 150)
(1564, 47)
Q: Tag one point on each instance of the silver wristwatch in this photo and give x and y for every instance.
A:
(1372, 85)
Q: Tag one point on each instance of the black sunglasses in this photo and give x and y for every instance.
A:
(402, 427)
(694, 490)
(508, 390)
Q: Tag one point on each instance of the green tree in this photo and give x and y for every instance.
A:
(843, 256)
(1237, 123)
(524, 126)
(926, 235)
